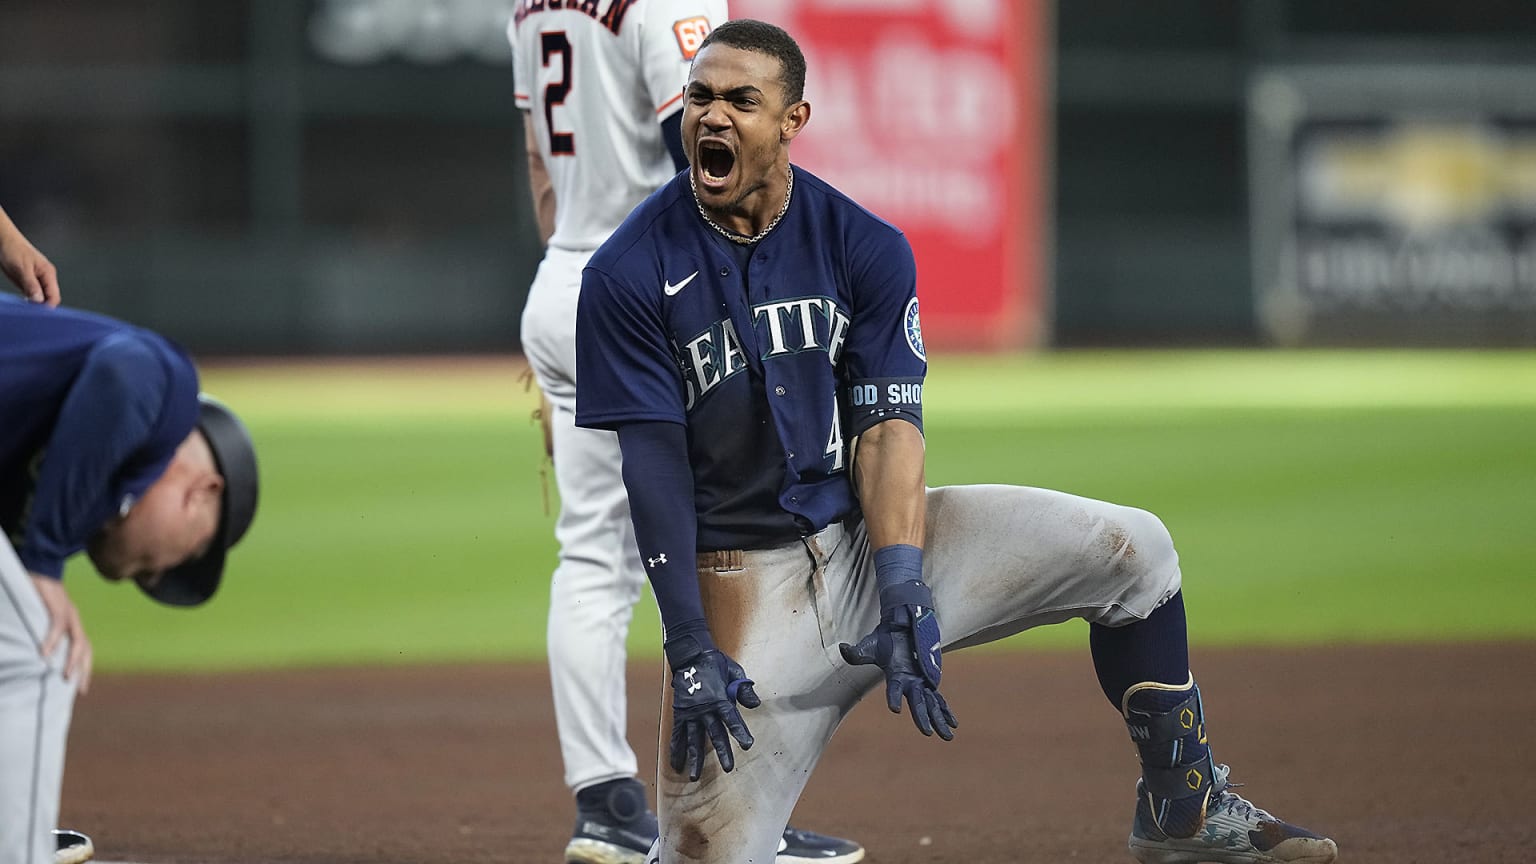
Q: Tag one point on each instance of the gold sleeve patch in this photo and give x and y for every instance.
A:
(690, 34)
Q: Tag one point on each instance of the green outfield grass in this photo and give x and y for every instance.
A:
(1314, 497)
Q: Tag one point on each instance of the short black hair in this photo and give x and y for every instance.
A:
(751, 35)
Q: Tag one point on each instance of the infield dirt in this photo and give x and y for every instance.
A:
(1403, 754)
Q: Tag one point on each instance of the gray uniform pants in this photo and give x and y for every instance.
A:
(1000, 560)
(35, 707)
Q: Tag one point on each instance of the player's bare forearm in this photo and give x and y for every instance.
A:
(889, 480)
(888, 476)
(539, 184)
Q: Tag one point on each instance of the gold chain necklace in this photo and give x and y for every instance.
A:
(737, 237)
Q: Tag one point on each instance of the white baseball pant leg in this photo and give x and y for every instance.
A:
(36, 704)
(598, 579)
(1000, 560)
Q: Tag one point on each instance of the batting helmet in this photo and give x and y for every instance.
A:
(192, 582)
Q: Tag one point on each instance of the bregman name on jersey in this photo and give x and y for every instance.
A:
(612, 18)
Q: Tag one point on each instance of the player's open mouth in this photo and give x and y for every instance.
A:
(715, 163)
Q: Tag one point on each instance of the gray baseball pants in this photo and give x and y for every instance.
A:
(1000, 560)
(35, 708)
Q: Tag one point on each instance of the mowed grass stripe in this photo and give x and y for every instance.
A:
(403, 513)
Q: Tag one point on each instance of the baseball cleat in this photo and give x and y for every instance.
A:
(1234, 832)
(808, 847)
(617, 829)
(72, 847)
(599, 843)
(613, 825)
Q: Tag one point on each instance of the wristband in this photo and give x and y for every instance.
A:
(905, 594)
(899, 575)
(898, 563)
(693, 641)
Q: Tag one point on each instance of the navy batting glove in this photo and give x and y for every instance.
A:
(905, 644)
(705, 691)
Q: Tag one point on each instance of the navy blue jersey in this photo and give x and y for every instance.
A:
(773, 358)
(91, 412)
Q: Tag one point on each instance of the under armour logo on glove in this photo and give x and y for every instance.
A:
(705, 694)
(659, 559)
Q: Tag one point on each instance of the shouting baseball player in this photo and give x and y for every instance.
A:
(105, 447)
(753, 336)
(601, 94)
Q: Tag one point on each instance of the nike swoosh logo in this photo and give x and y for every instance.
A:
(671, 289)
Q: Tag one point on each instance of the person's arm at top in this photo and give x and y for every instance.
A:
(30, 270)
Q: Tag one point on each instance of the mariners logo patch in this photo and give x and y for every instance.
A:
(914, 330)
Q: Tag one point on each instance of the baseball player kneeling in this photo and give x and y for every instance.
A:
(740, 330)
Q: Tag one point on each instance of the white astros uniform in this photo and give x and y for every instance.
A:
(596, 90)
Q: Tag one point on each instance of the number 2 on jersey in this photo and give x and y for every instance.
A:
(551, 43)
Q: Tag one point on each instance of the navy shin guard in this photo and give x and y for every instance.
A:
(1167, 724)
